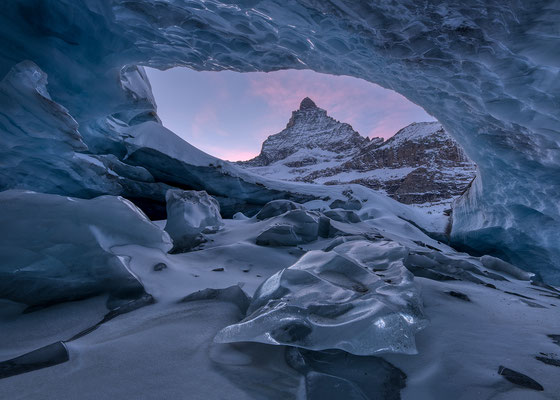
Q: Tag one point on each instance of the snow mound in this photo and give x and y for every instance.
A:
(57, 248)
(189, 215)
(336, 300)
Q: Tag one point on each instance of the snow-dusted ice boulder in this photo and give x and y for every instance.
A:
(349, 204)
(277, 207)
(336, 300)
(290, 229)
(339, 215)
(279, 235)
(190, 214)
(57, 248)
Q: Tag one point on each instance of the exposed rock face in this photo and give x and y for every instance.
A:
(420, 164)
(309, 128)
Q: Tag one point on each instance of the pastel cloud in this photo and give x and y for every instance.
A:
(229, 114)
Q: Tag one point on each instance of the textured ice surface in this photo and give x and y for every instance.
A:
(336, 300)
(347, 204)
(171, 342)
(343, 215)
(335, 374)
(291, 228)
(189, 215)
(57, 248)
(277, 207)
(486, 70)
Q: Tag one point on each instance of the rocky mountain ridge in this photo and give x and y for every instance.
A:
(309, 128)
(420, 164)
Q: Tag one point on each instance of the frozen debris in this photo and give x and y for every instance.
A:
(334, 300)
(520, 379)
(547, 359)
(190, 214)
(44, 357)
(459, 295)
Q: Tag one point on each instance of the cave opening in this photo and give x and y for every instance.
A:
(351, 131)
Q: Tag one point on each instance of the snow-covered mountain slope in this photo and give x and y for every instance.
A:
(420, 164)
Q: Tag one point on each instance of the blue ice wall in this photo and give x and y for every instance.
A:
(486, 69)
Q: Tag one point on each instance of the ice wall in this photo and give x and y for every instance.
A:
(486, 69)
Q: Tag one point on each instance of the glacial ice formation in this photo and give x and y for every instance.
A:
(57, 248)
(291, 228)
(335, 374)
(343, 215)
(189, 215)
(277, 207)
(485, 69)
(507, 322)
(359, 298)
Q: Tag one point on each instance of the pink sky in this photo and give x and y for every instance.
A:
(230, 114)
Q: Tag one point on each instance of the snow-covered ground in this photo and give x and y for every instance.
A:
(479, 316)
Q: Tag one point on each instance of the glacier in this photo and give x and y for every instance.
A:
(488, 72)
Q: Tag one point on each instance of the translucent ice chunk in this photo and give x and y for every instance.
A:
(335, 300)
(57, 248)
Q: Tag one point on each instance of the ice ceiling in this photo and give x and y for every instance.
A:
(488, 70)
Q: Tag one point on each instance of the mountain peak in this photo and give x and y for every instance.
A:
(310, 131)
(307, 104)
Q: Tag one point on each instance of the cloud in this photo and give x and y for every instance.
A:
(367, 107)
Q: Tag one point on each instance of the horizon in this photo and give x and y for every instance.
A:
(231, 114)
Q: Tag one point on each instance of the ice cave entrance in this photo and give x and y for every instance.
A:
(339, 134)
(229, 114)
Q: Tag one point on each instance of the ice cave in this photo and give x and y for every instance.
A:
(135, 265)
